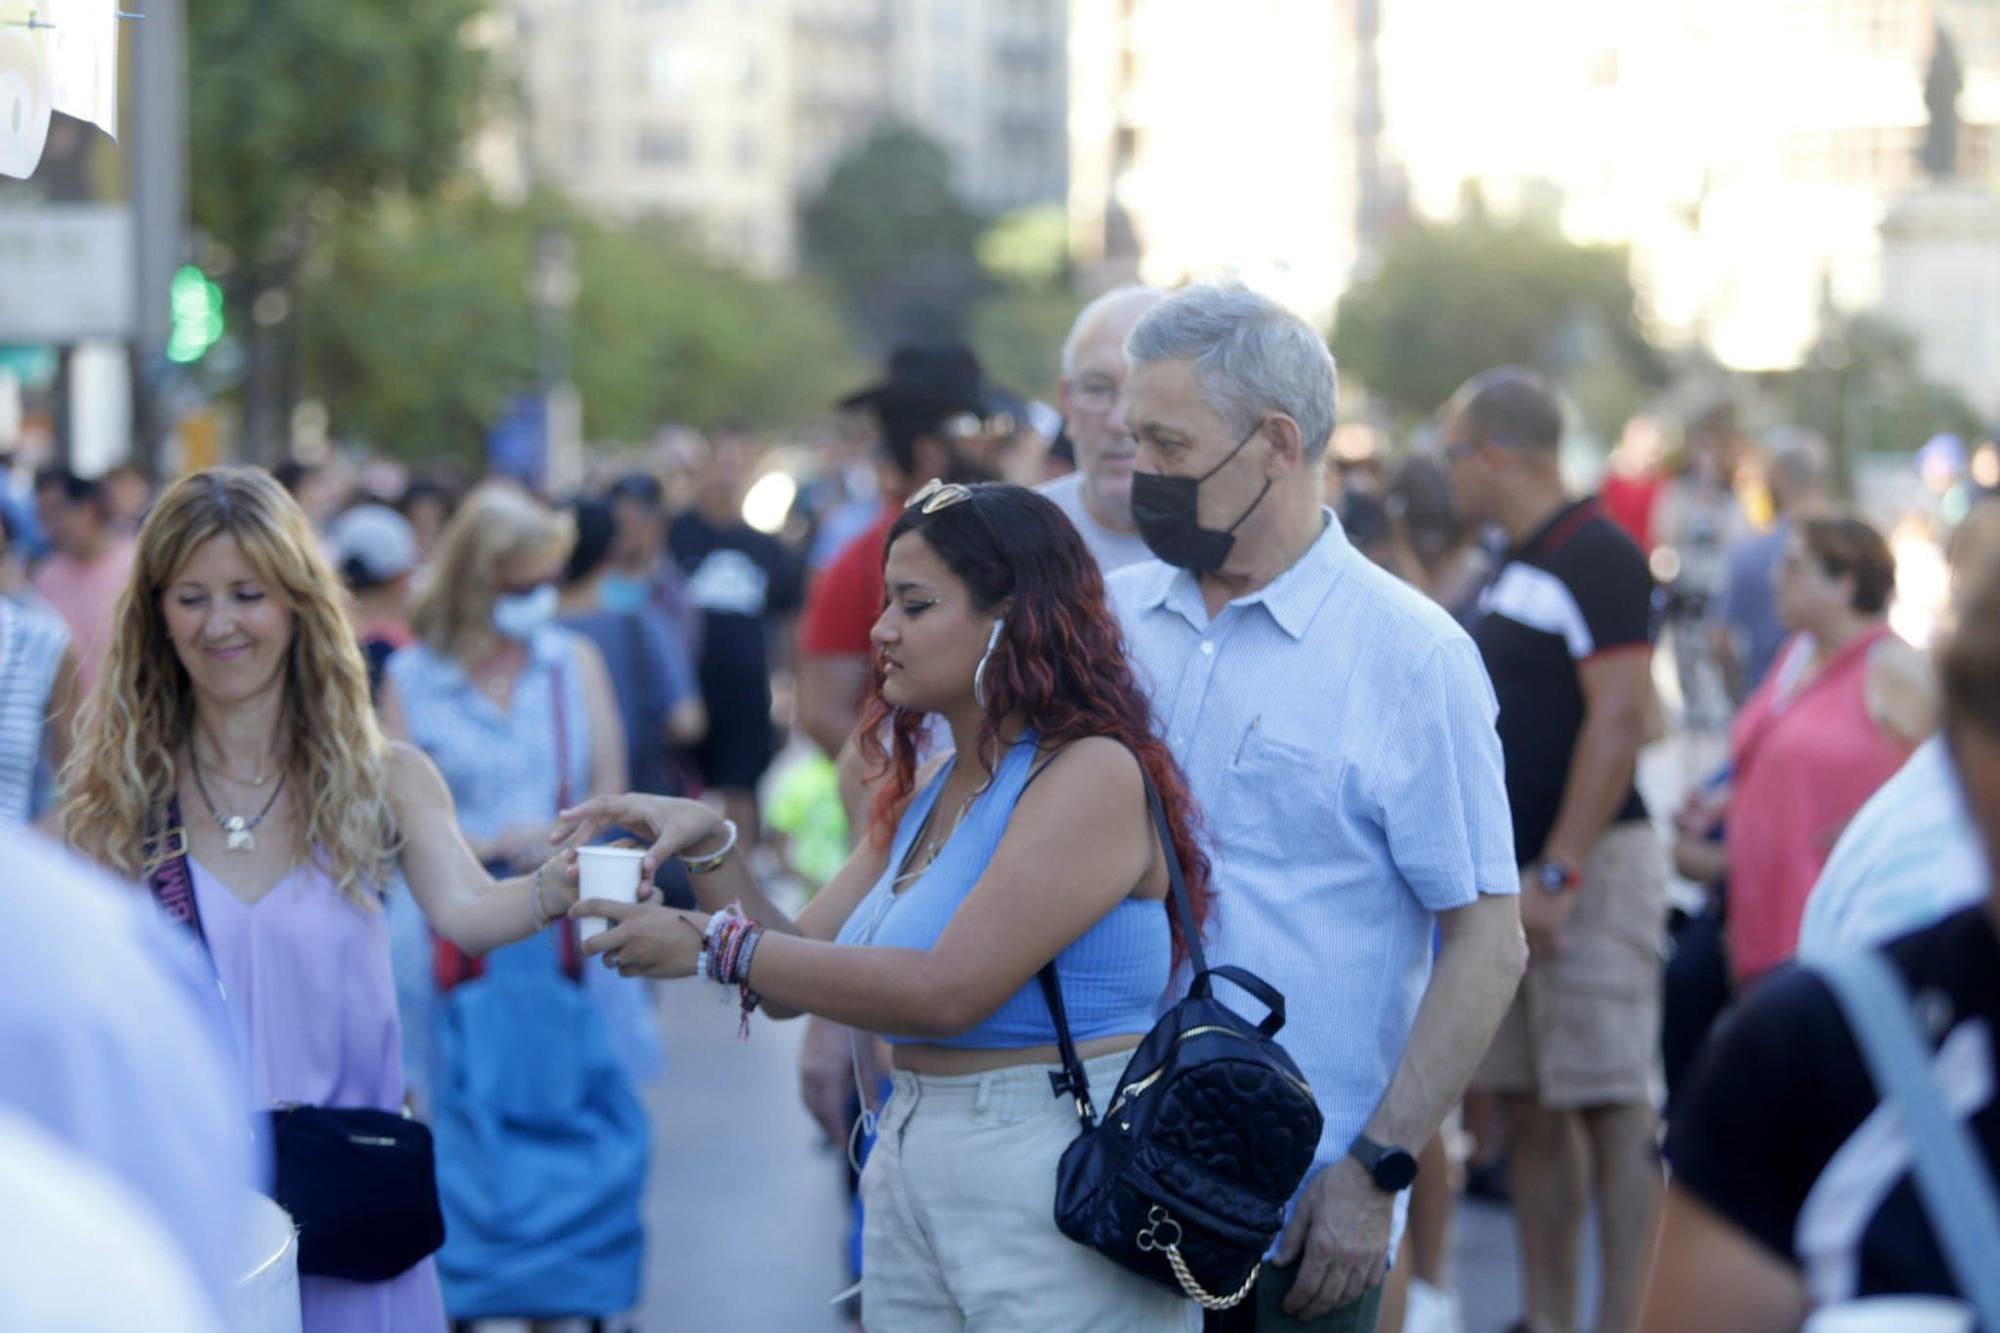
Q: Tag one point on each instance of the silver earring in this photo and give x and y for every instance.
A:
(979, 672)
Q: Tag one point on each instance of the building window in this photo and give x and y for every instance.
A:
(670, 69)
(664, 145)
(1882, 158)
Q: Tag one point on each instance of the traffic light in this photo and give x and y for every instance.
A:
(196, 304)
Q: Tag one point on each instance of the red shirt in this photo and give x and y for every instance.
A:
(1629, 501)
(846, 599)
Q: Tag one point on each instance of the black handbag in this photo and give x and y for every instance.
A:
(1211, 1132)
(360, 1184)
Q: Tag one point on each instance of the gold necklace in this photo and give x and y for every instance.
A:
(913, 868)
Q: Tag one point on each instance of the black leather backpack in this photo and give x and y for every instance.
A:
(1212, 1129)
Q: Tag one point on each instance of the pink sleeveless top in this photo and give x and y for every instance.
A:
(1806, 758)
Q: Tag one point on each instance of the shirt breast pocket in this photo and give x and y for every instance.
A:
(1277, 806)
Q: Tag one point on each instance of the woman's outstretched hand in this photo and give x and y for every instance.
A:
(675, 825)
(643, 940)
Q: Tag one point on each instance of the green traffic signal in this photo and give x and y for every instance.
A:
(196, 306)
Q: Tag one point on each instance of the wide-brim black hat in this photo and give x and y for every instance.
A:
(942, 377)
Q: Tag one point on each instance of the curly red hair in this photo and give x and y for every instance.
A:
(1061, 662)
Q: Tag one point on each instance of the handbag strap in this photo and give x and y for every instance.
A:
(452, 966)
(170, 880)
(1951, 1177)
(1071, 1080)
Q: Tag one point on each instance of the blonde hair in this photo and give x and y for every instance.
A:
(140, 711)
(497, 523)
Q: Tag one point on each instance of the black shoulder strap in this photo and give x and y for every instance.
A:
(1071, 1080)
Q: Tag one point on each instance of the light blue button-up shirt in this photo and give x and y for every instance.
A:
(114, 1040)
(1336, 729)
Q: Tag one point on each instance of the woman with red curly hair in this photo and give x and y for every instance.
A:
(1031, 841)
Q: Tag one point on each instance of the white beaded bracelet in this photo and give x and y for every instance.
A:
(701, 865)
(535, 899)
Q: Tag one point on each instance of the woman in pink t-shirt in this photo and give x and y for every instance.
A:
(1835, 718)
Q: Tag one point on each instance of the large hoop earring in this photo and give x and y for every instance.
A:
(979, 672)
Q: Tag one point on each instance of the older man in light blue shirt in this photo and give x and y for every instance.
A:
(1337, 731)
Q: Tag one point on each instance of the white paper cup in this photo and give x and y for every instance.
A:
(611, 873)
(1893, 1314)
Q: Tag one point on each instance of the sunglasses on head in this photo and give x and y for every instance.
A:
(938, 495)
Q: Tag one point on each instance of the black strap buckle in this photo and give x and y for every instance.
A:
(1065, 1086)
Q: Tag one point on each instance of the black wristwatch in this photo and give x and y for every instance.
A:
(1557, 876)
(1390, 1168)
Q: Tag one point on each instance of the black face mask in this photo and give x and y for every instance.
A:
(1167, 512)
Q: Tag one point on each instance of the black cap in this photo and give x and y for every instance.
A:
(938, 379)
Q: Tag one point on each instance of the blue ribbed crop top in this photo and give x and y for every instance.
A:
(1112, 975)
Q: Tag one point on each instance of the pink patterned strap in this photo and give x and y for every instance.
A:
(170, 880)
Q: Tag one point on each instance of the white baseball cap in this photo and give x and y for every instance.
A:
(372, 545)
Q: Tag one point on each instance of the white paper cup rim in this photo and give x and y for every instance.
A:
(615, 853)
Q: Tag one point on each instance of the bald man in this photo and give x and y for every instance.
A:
(1098, 495)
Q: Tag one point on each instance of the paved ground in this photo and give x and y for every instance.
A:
(746, 1210)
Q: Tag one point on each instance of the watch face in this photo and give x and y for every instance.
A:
(1396, 1170)
(1555, 876)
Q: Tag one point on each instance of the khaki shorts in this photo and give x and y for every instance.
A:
(1584, 1029)
(959, 1227)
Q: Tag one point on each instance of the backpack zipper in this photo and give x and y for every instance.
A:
(1133, 1089)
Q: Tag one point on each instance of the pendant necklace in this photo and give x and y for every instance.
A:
(239, 830)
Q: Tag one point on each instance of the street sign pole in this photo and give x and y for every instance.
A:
(156, 143)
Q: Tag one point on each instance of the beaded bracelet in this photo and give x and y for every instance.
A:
(726, 949)
(542, 919)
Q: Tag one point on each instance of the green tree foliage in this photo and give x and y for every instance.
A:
(1449, 301)
(1862, 388)
(1026, 306)
(295, 105)
(1018, 335)
(300, 111)
(418, 330)
(1028, 248)
(892, 235)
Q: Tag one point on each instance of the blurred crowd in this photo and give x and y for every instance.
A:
(704, 620)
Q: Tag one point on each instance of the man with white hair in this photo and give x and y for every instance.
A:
(1337, 729)
(1098, 495)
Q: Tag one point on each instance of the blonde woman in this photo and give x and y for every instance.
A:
(492, 671)
(518, 714)
(233, 692)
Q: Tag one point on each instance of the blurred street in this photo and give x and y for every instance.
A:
(746, 1213)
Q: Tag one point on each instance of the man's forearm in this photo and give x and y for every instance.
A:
(1600, 774)
(1480, 959)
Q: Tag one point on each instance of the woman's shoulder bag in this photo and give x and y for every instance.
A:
(1186, 1177)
